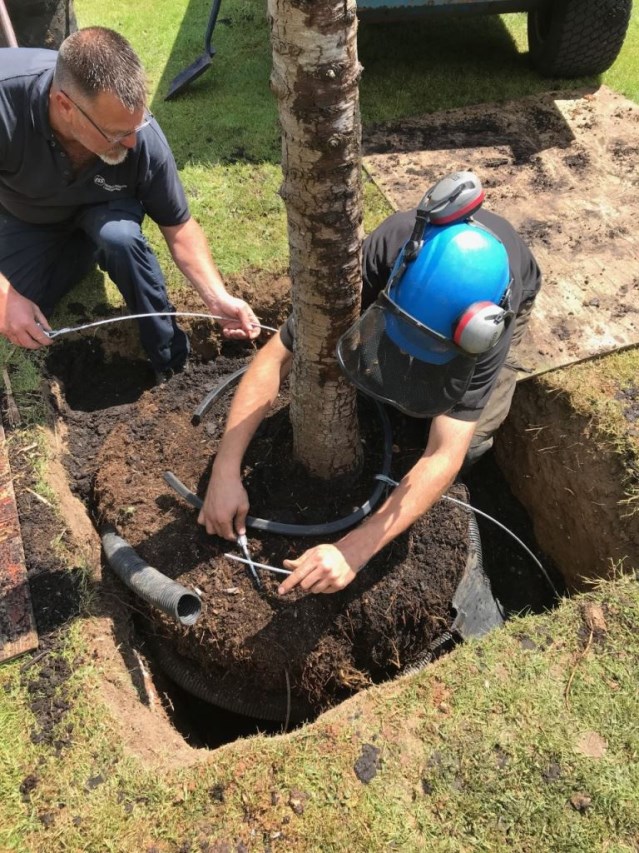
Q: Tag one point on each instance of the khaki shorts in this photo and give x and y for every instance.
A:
(499, 402)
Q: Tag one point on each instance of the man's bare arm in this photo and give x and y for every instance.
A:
(190, 251)
(329, 568)
(226, 503)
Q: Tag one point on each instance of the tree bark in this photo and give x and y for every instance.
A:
(315, 78)
(41, 23)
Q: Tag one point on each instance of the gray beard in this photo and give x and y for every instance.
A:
(114, 158)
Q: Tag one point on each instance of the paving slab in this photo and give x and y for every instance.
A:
(18, 632)
(563, 168)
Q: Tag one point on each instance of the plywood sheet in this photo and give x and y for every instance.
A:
(564, 169)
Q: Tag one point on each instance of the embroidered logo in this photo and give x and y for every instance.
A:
(112, 188)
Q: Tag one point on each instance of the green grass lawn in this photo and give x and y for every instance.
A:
(525, 741)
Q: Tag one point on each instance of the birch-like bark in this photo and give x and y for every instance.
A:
(315, 78)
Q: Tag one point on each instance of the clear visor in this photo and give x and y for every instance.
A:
(378, 367)
(415, 337)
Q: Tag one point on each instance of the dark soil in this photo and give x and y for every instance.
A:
(54, 586)
(55, 591)
(120, 435)
(460, 127)
(124, 434)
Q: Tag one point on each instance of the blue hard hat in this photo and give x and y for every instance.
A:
(458, 266)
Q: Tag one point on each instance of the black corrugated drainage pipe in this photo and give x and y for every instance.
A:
(150, 584)
(477, 609)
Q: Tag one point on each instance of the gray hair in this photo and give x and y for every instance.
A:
(95, 60)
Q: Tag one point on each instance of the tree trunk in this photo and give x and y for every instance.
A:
(41, 23)
(315, 78)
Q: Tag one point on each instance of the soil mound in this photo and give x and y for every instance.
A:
(300, 653)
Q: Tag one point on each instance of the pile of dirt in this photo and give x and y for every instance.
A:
(268, 650)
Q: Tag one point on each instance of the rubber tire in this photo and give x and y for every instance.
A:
(577, 38)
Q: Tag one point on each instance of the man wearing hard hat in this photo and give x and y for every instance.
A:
(447, 292)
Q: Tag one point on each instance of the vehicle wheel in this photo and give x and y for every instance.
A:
(577, 38)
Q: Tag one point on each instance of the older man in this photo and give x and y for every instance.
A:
(82, 162)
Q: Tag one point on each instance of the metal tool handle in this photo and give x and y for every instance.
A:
(208, 36)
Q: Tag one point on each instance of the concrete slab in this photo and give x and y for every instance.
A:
(563, 168)
(18, 632)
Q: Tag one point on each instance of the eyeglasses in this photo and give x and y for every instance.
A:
(113, 140)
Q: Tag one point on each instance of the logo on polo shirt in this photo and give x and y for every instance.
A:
(112, 188)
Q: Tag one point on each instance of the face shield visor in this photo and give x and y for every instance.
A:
(458, 277)
(378, 367)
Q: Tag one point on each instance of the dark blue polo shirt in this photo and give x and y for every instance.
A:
(37, 182)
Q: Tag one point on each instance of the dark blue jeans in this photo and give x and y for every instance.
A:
(43, 262)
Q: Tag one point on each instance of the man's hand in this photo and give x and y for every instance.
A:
(320, 569)
(242, 325)
(225, 507)
(189, 248)
(21, 321)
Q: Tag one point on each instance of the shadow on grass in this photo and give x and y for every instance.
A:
(414, 67)
(228, 114)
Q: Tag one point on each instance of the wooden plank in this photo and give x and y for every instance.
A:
(18, 633)
(563, 169)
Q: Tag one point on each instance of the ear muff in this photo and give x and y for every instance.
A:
(480, 327)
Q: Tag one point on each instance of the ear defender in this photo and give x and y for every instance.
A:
(454, 198)
(452, 277)
(480, 327)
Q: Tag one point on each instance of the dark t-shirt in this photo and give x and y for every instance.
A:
(380, 251)
(37, 182)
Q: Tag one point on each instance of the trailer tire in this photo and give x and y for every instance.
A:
(577, 38)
